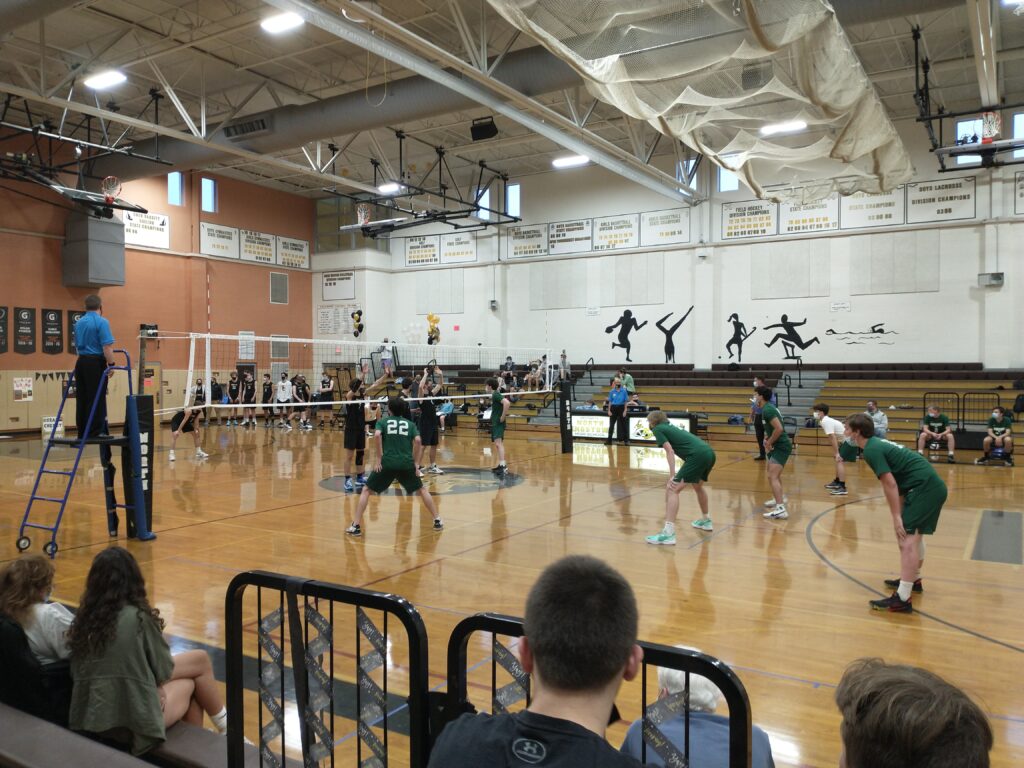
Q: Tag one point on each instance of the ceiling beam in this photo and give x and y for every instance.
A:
(979, 14)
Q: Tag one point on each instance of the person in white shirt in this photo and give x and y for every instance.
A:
(879, 418)
(25, 586)
(835, 432)
(284, 399)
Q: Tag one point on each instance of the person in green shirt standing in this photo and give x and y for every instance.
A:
(1000, 428)
(915, 493)
(499, 414)
(698, 461)
(398, 453)
(935, 429)
(778, 448)
(627, 381)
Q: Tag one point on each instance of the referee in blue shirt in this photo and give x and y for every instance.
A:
(617, 398)
(95, 345)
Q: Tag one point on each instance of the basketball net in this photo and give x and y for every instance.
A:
(991, 125)
(363, 213)
(111, 188)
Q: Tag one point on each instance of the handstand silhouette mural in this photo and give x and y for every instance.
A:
(626, 325)
(739, 335)
(670, 347)
(790, 339)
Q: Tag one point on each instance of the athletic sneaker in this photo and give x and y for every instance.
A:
(201, 454)
(419, 472)
(949, 460)
(839, 491)
(170, 456)
(349, 488)
(778, 513)
(360, 481)
(501, 469)
(668, 539)
(893, 604)
(833, 484)
(1009, 461)
(288, 426)
(981, 460)
(354, 530)
(895, 583)
(435, 470)
(438, 525)
(703, 524)
(770, 504)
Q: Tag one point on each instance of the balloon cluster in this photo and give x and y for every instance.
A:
(433, 332)
(357, 323)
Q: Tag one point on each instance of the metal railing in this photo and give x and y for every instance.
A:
(510, 687)
(304, 622)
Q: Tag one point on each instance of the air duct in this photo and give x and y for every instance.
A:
(532, 71)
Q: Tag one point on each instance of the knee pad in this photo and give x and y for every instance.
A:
(359, 457)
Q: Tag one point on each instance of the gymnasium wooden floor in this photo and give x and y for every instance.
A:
(784, 603)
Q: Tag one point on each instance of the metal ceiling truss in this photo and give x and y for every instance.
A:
(429, 60)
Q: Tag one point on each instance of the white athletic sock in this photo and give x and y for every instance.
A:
(905, 589)
(670, 528)
(220, 720)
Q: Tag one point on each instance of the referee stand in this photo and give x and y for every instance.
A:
(136, 445)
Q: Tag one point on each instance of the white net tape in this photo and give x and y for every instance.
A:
(328, 367)
(713, 73)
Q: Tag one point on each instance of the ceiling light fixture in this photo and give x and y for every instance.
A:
(282, 22)
(570, 161)
(103, 80)
(389, 188)
(791, 126)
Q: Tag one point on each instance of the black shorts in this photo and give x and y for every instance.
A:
(180, 417)
(355, 440)
(428, 435)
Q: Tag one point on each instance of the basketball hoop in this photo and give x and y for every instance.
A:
(991, 126)
(111, 188)
(363, 213)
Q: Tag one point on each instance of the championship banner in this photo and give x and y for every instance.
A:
(74, 315)
(24, 330)
(3, 330)
(53, 331)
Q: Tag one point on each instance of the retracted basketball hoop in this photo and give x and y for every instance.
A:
(363, 214)
(111, 188)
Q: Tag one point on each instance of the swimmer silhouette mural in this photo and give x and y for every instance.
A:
(876, 333)
(626, 325)
(670, 347)
(790, 338)
(739, 335)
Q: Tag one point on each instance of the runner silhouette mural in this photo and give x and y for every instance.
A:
(790, 338)
(626, 325)
(670, 347)
(739, 335)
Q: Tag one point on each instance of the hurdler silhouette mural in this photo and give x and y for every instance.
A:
(791, 339)
(670, 347)
(626, 325)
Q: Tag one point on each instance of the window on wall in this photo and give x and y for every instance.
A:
(1018, 133)
(727, 180)
(968, 132)
(208, 188)
(175, 188)
(278, 287)
(513, 200)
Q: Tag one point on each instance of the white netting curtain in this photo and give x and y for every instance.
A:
(712, 73)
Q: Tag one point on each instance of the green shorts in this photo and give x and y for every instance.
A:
(497, 430)
(922, 505)
(378, 482)
(780, 453)
(696, 468)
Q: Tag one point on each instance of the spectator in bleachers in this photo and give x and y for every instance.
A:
(564, 369)
(447, 409)
(898, 716)
(709, 733)
(508, 365)
(579, 645)
(627, 380)
(590, 405)
(25, 586)
(127, 686)
(999, 435)
(935, 429)
(879, 418)
(755, 416)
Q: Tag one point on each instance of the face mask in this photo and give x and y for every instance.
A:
(996, 415)
(933, 415)
(818, 415)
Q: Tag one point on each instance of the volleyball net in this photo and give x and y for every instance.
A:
(319, 364)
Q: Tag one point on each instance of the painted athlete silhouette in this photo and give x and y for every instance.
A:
(790, 338)
(739, 335)
(670, 347)
(626, 325)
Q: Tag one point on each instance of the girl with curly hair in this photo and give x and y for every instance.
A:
(127, 686)
(25, 586)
